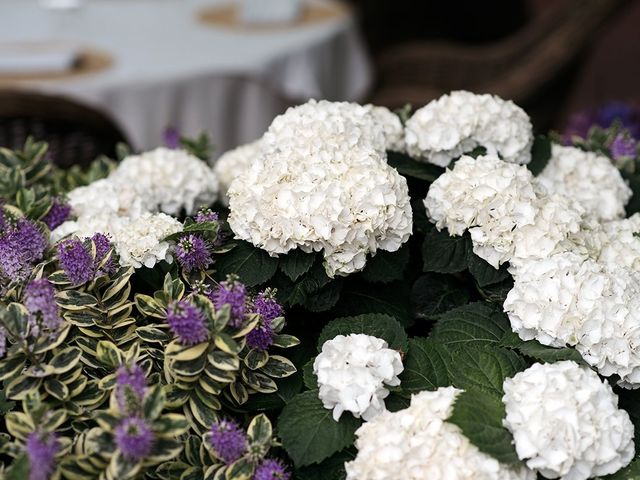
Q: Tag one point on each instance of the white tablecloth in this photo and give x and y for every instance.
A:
(171, 70)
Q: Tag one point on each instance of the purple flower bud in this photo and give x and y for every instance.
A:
(623, 147)
(134, 438)
(172, 138)
(266, 305)
(40, 301)
(131, 387)
(57, 214)
(228, 441)
(103, 247)
(270, 469)
(192, 253)
(187, 322)
(41, 451)
(76, 260)
(234, 294)
(20, 248)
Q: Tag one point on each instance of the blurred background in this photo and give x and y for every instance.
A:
(86, 74)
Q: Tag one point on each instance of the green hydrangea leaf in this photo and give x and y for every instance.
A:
(374, 324)
(479, 415)
(391, 299)
(540, 154)
(296, 263)
(543, 353)
(443, 253)
(409, 167)
(252, 265)
(434, 293)
(484, 368)
(309, 433)
(473, 324)
(387, 267)
(426, 366)
(484, 273)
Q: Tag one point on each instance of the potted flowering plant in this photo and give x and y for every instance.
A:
(359, 294)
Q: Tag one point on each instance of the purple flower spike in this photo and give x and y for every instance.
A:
(266, 305)
(228, 441)
(234, 294)
(192, 253)
(76, 260)
(41, 451)
(40, 301)
(57, 214)
(103, 246)
(134, 438)
(187, 322)
(623, 147)
(261, 337)
(270, 469)
(206, 215)
(131, 386)
(20, 248)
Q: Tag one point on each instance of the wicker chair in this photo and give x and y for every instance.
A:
(76, 134)
(518, 67)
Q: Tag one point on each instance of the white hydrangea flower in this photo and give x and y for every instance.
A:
(489, 197)
(460, 121)
(613, 244)
(588, 178)
(417, 444)
(168, 180)
(137, 240)
(566, 422)
(330, 129)
(556, 220)
(105, 197)
(553, 297)
(353, 372)
(392, 127)
(609, 339)
(348, 203)
(234, 163)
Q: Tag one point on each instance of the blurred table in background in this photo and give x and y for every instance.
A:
(151, 64)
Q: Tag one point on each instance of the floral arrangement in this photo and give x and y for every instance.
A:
(360, 294)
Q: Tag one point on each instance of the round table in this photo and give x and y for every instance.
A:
(170, 68)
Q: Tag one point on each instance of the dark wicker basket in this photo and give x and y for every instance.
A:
(76, 133)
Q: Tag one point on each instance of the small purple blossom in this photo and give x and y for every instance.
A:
(187, 322)
(57, 214)
(206, 215)
(270, 469)
(581, 122)
(20, 248)
(103, 247)
(41, 451)
(261, 337)
(76, 261)
(40, 301)
(131, 386)
(228, 440)
(171, 138)
(192, 253)
(3, 218)
(623, 147)
(134, 438)
(234, 294)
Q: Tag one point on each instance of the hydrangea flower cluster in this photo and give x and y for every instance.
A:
(125, 205)
(354, 372)
(588, 178)
(573, 436)
(460, 121)
(235, 163)
(322, 183)
(418, 443)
